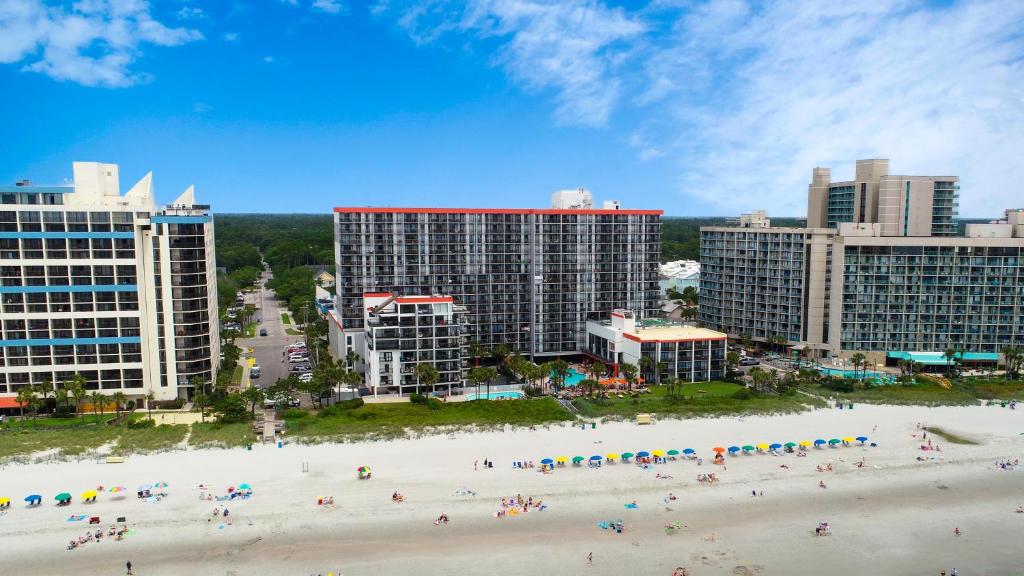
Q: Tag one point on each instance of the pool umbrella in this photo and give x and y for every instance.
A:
(642, 454)
(775, 446)
(789, 444)
(612, 456)
(718, 449)
(595, 458)
(627, 455)
(577, 459)
(62, 497)
(657, 453)
(819, 442)
(562, 459)
(116, 489)
(88, 494)
(734, 449)
(547, 461)
(33, 498)
(862, 439)
(688, 451)
(748, 448)
(762, 446)
(673, 452)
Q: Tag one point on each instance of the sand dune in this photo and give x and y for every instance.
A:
(896, 515)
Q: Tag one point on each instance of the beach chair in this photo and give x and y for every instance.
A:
(94, 520)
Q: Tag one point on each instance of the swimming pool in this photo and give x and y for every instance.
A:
(506, 395)
(848, 373)
(573, 378)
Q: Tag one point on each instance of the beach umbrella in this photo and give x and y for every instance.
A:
(577, 459)
(144, 487)
(762, 446)
(848, 439)
(834, 441)
(88, 494)
(819, 442)
(734, 449)
(33, 498)
(775, 446)
(627, 455)
(862, 439)
(5, 501)
(790, 444)
(562, 459)
(595, 458)
(642, 454)
(244, 486)
(160, 485)
(718, 449)
(805, 443)
(62, 497)
(657, 453)
(748, 448)
(116, 489)
(673, 452)
(547, 461)
(612, 456)
(688, 451)
(363, 469)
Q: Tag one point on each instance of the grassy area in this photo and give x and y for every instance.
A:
(249, 331)
(285, 318)
(949, 436)
(392, 420)
(696, 399)
(292, 332)
(155, 439)
(213, 435)
(925, 393)
(994, 388)
(236, 375)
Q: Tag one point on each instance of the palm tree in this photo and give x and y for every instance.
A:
(149, 404)
(629, 372)
(547, 370)
(76, 387)
(200, 400)
(645, 365)
(25, 398)
(561, 369)
(253, 395)
(119, 400)
(476, 377)
(857, 359)
(61, 396)
(597, 369)
(589, 385)
(658, 369)
(476, 351)
(949, 354)
(425, 374)
(98, 401)
(732, 360)
(1012, 358)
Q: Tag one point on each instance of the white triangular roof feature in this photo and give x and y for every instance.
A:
(143, 189)
(187, 198)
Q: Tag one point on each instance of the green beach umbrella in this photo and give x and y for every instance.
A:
(62, 497)
(748, 448)
(789, 444)
(834, 441)
(673, 452)
(577, 459)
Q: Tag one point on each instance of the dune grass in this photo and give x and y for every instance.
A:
(392, 420)
(949, 436)
(994, 388)
(148, 440)
(214, 435)
(696, 399)
(925, 393)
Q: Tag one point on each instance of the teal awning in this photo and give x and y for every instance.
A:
(939, 359)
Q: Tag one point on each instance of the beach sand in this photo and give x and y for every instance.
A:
(896, 515)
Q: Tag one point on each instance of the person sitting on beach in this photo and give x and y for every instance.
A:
(821, 483)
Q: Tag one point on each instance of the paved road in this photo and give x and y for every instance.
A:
(268, 349)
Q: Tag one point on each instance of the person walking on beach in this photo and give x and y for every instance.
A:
(474, 465)
(129, 566)
(590, 558)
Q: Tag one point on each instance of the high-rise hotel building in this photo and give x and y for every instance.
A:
(106, 286)
(527, 278)
(880, 268)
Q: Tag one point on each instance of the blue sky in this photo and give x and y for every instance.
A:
(695, 107)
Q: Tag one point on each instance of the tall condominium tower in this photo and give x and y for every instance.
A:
(106, 286)
(878, 270)
(528, 278)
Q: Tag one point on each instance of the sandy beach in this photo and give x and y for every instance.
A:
(894, 515)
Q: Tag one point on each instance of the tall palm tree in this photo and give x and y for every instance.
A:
(561, 369)
(949, 354)
(76, 387)
(149, 404)
(425, 373)
(119, 401)
(476, 351)
(857, 360)
(629, 372)
(645, 365)
(98, 401)
(658, 369)
(25, 396)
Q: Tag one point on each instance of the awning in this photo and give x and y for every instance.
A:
(939, 358)
(9, 403)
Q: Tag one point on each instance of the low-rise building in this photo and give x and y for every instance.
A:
(674, 350)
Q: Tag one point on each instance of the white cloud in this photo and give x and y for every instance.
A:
(201, 107)
(572, 47)
(269, 59)
(328, 6)
(232, 37)
(191, 13)
(92, 42)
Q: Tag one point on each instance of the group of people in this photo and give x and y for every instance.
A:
(442, 519)
(823, 529)
(97, 536)
(1007, 464)
(707, 478)
(397, 497)
(520, 464)
(218, 513)
(518, 505)
(325, 501)
(487, 464)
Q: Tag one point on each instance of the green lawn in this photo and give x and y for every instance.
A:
(392, 420)
(696, 399)
(292, 332)
(922, 394)
(236, 375)
(285, 318)
(213, 435)
(994, 388)
(249, 331)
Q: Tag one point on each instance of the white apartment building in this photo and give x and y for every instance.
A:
(106, 286)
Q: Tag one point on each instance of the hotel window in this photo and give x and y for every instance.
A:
(77, 222)
(99, 221)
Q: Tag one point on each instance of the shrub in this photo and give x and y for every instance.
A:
(64, 412)
(417, 398)
(294, 414)
(341, 407)
(838, 384)
(433, 404)
(141, 424)
(533, 391)
(742, 394)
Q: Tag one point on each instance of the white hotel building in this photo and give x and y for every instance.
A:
(106, 286)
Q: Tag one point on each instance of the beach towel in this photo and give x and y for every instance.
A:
(604, 525)
(632, 506)
(74, 518)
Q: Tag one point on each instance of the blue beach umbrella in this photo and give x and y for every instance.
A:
(689, 451)
(734, 449)
(819, 442)
(862, 439)
(642, 454)
(33, 498)
(547, 461)
(775, 446)
(595, 458)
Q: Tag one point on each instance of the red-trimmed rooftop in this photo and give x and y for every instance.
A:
(556, 211)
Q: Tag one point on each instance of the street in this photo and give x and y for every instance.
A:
(268, 349)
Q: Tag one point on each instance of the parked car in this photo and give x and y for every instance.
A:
(263, 331)
(254, 372)
(749, 362)
(306, 377)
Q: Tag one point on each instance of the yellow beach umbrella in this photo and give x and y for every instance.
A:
(762, 446)
(562, 459)
(805, 442)
(658, 453)
(4, 501)
(848, 439)
(88, 494)
(612, 456)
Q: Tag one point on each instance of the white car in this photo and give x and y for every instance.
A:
(307, 377)
(298, 358)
